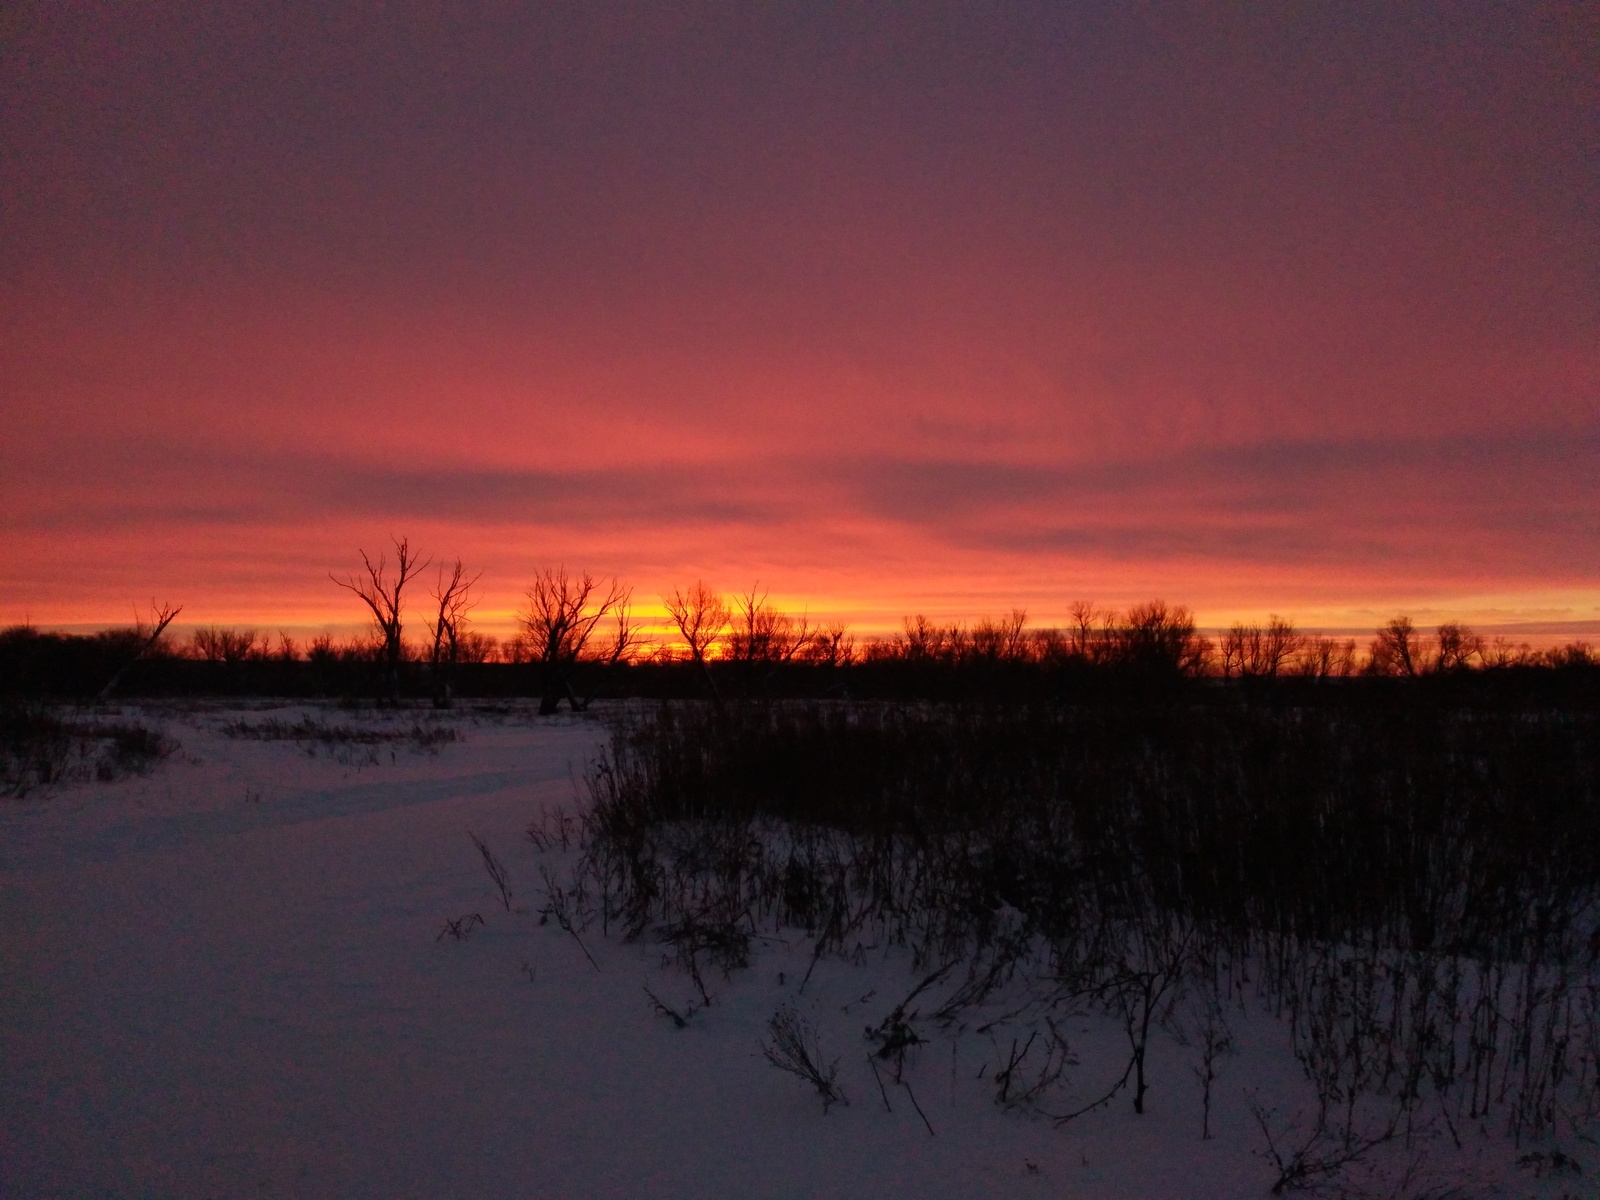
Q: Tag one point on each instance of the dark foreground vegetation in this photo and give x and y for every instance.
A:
(40, 747)
(1410, 881)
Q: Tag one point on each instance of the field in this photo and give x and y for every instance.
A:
(337, 951)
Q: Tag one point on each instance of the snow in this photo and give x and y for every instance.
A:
(225, 977)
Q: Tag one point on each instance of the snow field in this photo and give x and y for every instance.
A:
(226, 978)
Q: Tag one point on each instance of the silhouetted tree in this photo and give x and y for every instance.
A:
(1502, 652)
(700, 617)
(1254, 651)
(1089, 631)
(1001, 641)
(560, 618)
(385, 597)
(1155, 640)
(1456, 648)
(147, 636)
(831, 646)
(1326, 658)
(230, 646)
(925, 641)
(764, 637)
(453, 599)
(475, 647)
(1395, 649)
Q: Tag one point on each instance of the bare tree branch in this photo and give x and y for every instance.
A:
(160, 618)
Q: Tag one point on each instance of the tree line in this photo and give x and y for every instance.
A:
(578, 635)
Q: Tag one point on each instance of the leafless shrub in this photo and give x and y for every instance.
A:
(723, 943)
(562, 906)
(680, 1020)
(495, 868)
(791, 1045)
(1307, 1159)
(1002, 640)
(554, 830)
(460, 928)
(1554, 1163)
(1215, 1040)
(1014, 1088)
(1158, 639)
(127, 749)
(35, 749)
(338, 740)
(212, 643)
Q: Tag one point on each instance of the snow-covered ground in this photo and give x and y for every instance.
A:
(225, 978)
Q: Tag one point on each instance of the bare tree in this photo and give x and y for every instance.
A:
(1158, 639)
(1326, 658)
(831, 646)
(1504, 653)
(454, 599)
(922, 639)
(1282, 643)
(517, 649)
(475, 647)
(385, 597)
(1003, 640)
(1458, 646)
(214, 644)
(1260, 652)
(561, 616)
(1083, 636)
(701, 617)
(764, 636)
(147, 634)
(1234, 649)
(1395, 650)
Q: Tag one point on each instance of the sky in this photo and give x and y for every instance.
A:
(889, 308)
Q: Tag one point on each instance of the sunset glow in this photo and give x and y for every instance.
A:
(948, 314)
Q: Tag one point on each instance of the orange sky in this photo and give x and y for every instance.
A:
(892, 311)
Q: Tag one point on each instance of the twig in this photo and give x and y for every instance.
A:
(918, 1107)
(496, 869)
(663, 1009)
(881, 1090)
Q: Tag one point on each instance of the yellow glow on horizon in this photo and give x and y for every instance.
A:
(1540, 617)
